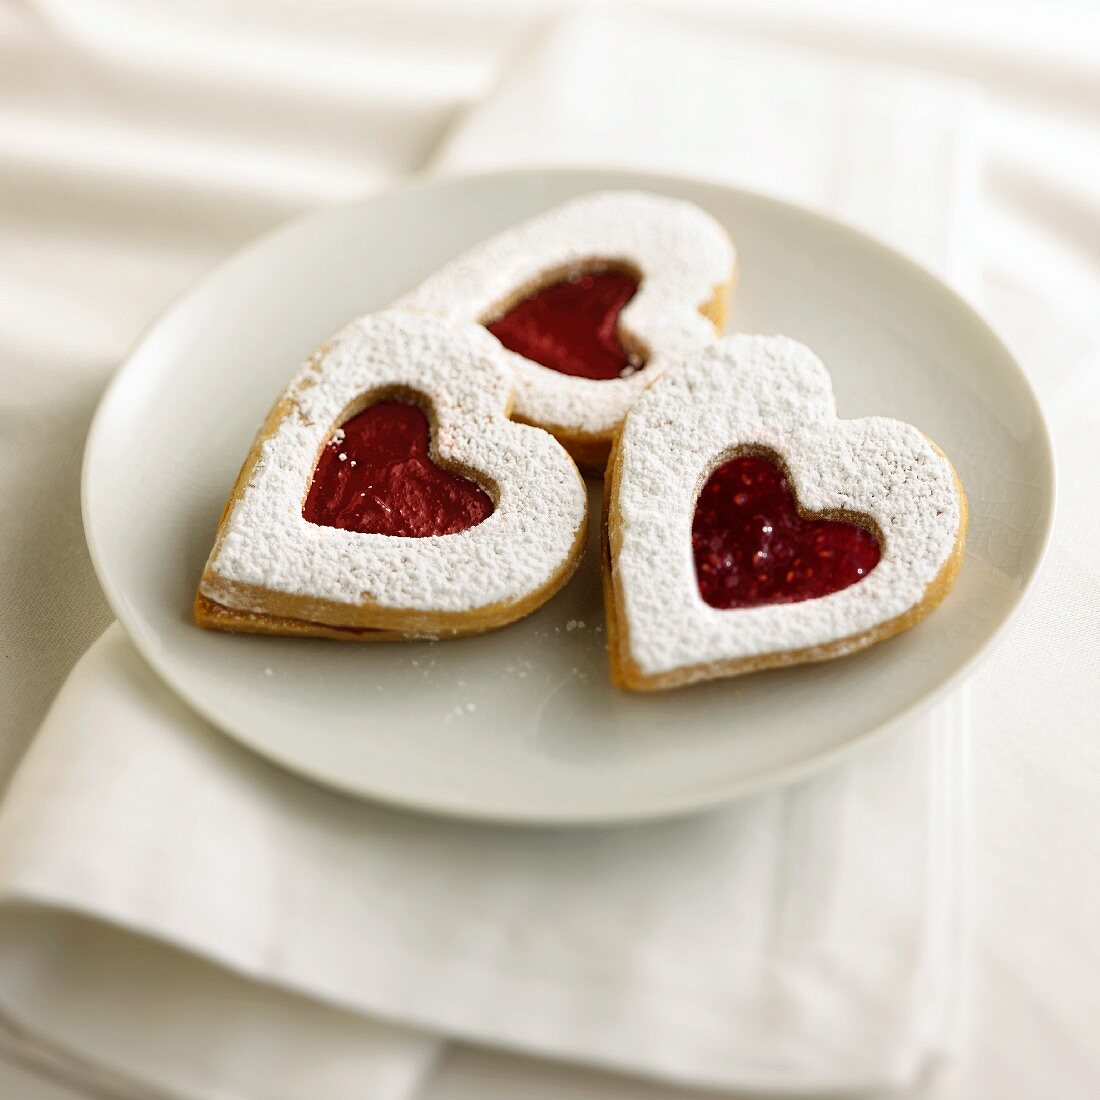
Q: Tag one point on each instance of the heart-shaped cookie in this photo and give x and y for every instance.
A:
(389, 495)
(747, 527)
(591, 300)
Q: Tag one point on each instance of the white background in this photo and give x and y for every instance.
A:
(141, 142)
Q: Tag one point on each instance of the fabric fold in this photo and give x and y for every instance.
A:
(713, 951)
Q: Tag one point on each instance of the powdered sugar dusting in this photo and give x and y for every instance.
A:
(682, 254)
(770, 393)
(540, 499)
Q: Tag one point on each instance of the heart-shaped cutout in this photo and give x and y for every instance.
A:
(572, 326)
(817, 538)
(377, 476)
(591, 301)
(377, 530)
(752, 546)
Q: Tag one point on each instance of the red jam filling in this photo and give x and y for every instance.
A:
(376, 476)
(752, 546)
(573, 326)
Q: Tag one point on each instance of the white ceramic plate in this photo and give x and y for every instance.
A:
(522, 725)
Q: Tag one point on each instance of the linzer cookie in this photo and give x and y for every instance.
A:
(388, 495)
(591, 300)
(748, 527)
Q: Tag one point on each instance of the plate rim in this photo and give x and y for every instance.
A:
(656, 808)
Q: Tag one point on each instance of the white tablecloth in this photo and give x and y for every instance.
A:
(123, 178)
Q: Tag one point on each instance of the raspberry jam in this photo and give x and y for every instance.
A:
(573, 326)
(752, 546)
(376, 476)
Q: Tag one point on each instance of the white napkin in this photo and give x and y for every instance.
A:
(179, 918)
